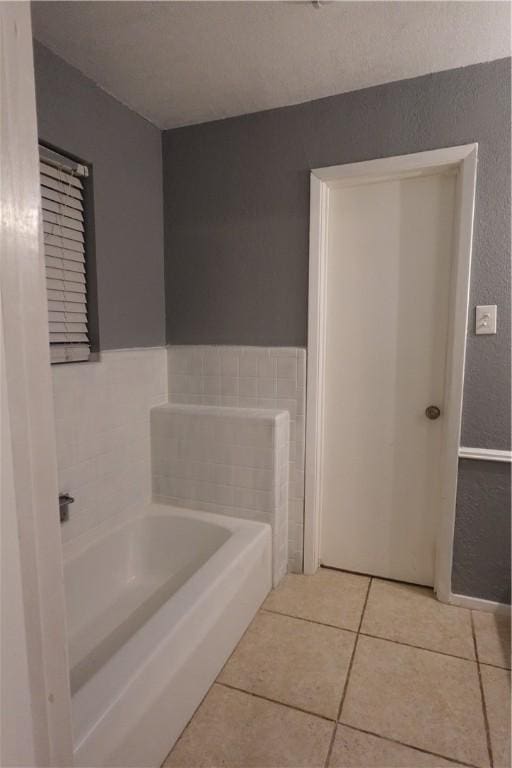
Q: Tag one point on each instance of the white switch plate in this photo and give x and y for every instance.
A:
(485, 319)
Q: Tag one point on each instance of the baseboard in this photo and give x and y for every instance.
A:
(479, 604)
(485, 454)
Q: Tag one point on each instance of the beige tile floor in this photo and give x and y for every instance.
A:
(343, 671)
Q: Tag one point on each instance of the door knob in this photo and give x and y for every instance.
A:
(432, 412)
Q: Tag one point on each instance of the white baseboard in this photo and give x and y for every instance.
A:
(479, 604)
(485, 454)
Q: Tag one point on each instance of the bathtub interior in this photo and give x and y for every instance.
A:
(113, 588)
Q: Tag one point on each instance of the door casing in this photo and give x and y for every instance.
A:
(37, 702)
(464, 160)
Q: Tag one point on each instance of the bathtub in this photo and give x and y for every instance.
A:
(155, 605)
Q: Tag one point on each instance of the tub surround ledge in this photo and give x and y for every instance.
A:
(229, 461)
(251, 377)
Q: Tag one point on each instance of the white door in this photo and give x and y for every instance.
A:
(388, 285)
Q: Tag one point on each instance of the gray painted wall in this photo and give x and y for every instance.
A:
(482, 544)
(236, 210)
(77, 117)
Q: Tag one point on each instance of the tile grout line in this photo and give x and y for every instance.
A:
(345, 725)
(376, 637)
(418, 647)
(274, 701)
(349, 670)
(488, 664)
(482, 695)
(310, 621)
(337, 722)
(409, 746)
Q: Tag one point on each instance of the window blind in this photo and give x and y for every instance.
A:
(64, 254)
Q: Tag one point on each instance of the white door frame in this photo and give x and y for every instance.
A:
(464, 159)
(34, 692)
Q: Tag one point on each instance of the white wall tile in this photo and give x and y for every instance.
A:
(283, 351)
(228, 460)
(287, 368)
(229, 385)
(102, 429)
(185, 384)
(229, 363)
(249, 363)
(266, 387)
(103, 445)
(287, 387)
(267, 367)
(211, 362)
(266, 378)
(212, 385)
(248, 386)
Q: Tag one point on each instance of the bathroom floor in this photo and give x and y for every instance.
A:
(345, 671)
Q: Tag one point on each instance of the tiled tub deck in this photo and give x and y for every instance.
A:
(231, 461)
(251, 377)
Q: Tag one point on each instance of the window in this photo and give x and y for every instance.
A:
(62, 194)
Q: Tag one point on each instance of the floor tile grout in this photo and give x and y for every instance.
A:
(409, 746)
(276, 701)
(377, 637)
(337, 721)
(345, 725)
(310, 621)
(349, 670)
(418, 647)
(386, 579)
(482, 695)
(489, 664)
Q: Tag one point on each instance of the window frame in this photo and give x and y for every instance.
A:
(89, 250)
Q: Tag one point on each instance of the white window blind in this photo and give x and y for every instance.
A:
(64, 253)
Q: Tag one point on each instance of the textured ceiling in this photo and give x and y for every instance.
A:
(178, 63)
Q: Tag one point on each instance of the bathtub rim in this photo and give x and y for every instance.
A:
(95, 700)
(75, 547)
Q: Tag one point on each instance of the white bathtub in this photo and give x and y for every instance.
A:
(155, 607)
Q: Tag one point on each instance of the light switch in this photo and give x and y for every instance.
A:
(485, 319)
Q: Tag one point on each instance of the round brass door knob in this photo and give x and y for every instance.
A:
(432, 412)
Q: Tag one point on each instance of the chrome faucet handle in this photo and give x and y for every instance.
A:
(64, 501)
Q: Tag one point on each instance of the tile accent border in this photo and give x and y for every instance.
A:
(251, 377)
